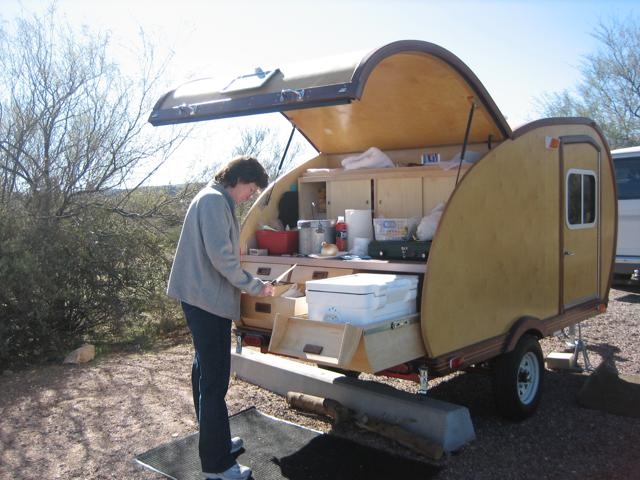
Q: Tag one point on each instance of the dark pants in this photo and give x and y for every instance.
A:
(210, 381)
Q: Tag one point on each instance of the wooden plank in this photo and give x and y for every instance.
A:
(339, 174)
(372, 265)
(408, 439)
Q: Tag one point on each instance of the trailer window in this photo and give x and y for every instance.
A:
(581, 199)
(628, 177)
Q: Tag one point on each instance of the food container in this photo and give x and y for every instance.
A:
(312, 233)
(278, 242)
(394, 228)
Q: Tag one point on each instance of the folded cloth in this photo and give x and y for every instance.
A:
(429, 224)
(372, 158)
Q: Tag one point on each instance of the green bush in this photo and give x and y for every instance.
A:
(95, 276)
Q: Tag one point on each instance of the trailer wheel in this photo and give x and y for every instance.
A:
(518, 379)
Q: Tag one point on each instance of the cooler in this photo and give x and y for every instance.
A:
(362, 298)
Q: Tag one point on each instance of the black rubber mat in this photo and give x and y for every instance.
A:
(276, 449)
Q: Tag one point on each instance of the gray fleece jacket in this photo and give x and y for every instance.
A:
(206, 270)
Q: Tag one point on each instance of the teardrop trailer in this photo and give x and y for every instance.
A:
(524, 246)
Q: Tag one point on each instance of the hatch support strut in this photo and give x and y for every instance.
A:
(466, 137)
(284, 155)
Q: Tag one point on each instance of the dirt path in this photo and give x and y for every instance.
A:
(89, 421)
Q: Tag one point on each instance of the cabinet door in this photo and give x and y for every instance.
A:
(437, 189)
(345, 194)
(398, 197)
(312, 200)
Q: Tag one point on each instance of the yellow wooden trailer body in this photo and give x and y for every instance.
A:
(526, 242)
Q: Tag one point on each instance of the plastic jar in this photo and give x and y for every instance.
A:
(341, 235)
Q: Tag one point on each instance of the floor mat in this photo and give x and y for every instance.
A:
(276, 449)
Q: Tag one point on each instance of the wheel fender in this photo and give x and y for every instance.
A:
(526, 324)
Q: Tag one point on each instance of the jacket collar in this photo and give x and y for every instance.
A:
(220, 188)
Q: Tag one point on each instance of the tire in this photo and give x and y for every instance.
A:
(518, 379)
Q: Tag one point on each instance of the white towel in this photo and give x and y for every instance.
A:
(372, 158)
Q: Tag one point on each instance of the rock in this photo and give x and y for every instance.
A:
(84, 354)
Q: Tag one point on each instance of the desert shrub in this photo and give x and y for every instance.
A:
(97, 275)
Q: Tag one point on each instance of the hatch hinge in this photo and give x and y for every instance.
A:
(290, 95)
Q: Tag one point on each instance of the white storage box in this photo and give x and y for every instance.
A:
(394, 228)
(362, 298)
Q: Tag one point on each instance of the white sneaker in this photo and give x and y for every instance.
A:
(236, 444)
(235, 472)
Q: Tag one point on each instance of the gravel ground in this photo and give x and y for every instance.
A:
(89, 421)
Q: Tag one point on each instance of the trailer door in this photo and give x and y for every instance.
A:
(580, 158)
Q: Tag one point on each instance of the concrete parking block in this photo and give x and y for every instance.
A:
(446, 424)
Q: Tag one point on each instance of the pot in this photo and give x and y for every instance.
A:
(311, 234)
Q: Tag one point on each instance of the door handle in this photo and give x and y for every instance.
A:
(568, 253)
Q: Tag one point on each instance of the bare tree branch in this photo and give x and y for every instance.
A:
(73, 125)
(610, 88)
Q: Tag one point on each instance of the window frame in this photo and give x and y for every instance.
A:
(583, 173)
(620, 162)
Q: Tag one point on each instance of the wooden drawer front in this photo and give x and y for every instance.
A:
(259, 312)
(302, 273)
(265, 271)
(367, 349)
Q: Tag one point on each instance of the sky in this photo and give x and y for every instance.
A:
(519, 49)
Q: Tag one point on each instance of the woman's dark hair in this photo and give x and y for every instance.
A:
(243, 169)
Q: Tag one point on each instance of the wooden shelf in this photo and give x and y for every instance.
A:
(336, 174)
(361, 265)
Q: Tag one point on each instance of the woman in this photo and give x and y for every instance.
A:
(207, 278)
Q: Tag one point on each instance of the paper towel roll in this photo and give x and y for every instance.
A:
(359, 224)
(360, 246)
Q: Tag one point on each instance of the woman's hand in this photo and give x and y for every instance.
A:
(267, 290)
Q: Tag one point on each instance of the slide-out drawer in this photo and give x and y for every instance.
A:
(266, 271)
(363, 348)
(259, 312)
